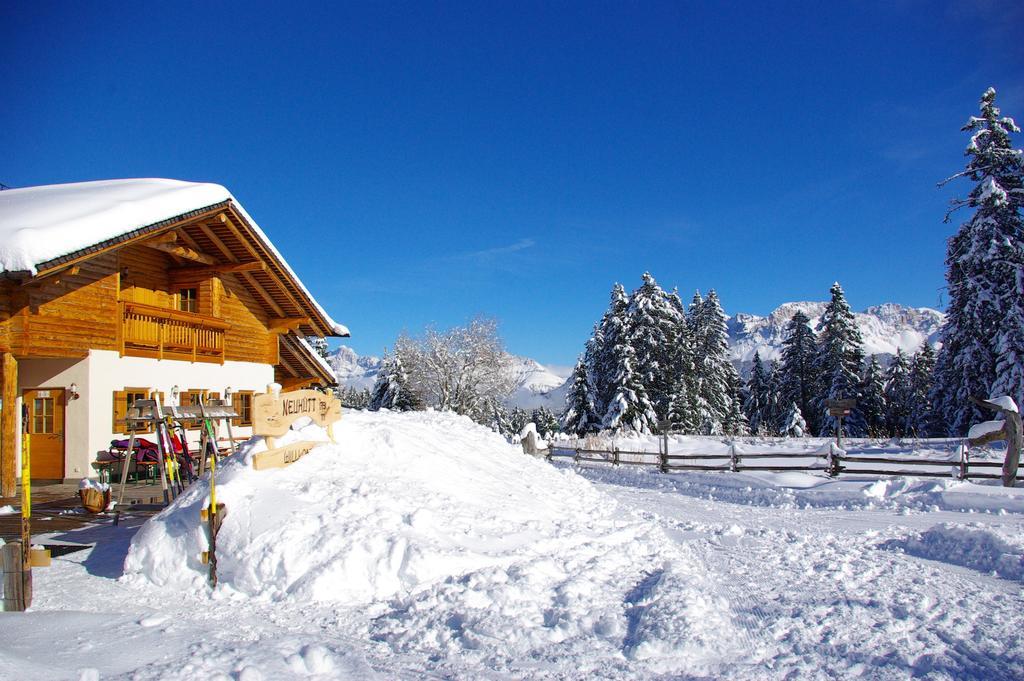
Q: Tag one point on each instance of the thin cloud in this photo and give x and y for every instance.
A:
(488, 254)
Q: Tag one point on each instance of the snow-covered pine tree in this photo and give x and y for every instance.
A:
(776, 407)
(578, 418)
(838, 364)
(872, 399)
(319, 345)
(393, 390)
(652, 323)
(699, 412)
(713, 367)
(983, 336)
(758, 404)
(629, 409)
(501, 421)
(680, 412)
(920, 417)
(547, 424)
(897, 395)
(735, 421)
(796, 382)
(610, 334)
(794, 424)
(518, 420)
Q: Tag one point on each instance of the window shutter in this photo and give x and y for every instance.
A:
(120, 411)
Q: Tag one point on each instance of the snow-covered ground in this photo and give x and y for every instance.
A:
(423, 546)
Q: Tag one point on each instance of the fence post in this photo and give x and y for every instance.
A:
(834, 461)
(17, 581)
(663, 455)
(963, 461)
(576, 455)
(615, 455)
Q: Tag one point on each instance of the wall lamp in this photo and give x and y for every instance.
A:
(73, 391)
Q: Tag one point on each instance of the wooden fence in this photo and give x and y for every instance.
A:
(827, 459)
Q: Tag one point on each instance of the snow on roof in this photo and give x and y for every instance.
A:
(328, 369)
(38, 224)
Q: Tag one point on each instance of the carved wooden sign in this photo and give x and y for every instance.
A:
(273, 414)
(282, 456)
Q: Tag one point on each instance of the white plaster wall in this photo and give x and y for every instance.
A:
(60, 373)
(88, 420)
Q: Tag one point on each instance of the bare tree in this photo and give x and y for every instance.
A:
(462, 369)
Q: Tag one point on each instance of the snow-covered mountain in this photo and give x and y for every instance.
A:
(885, 328)
(537, 385)
(352, 369)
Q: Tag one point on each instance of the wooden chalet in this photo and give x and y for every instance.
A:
(126, 289)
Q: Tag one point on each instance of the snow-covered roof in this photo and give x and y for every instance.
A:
(40, 224)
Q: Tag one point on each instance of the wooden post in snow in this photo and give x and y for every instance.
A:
(17, 582)
(1011, 431)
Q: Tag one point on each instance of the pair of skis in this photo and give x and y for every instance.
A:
(213, 515)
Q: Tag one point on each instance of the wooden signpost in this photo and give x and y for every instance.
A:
(273, 414)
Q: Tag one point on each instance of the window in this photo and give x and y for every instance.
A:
(123, 401)
(191, 397)
(188, 300)
(242, 403)
(42, 415)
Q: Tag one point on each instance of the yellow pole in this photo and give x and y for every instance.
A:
(26, 478)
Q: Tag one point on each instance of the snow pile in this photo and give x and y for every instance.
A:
(86, 483)
(452, 541)
(984, 428)
(1005, 402)
(970, 546)
(7, 510)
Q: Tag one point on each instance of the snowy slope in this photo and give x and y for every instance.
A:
(424, 547)
(884, 329)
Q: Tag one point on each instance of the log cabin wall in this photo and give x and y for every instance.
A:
(5, 315)
(144, 277)
(68, 313)
(248, 339)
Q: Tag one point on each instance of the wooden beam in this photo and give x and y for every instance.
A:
(262, 292)
(270, 271)
(219, 244)
(53, 277)
(185, 252)
(9, 431)
(170, 237)
(229, 268)
(286, 324)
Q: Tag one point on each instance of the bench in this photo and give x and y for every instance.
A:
(109, 470)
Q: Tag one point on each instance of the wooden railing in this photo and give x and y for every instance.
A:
(148, 331)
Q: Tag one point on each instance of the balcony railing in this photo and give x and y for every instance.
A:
(148, 331)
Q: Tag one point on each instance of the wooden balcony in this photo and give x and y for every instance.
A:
(148, 331)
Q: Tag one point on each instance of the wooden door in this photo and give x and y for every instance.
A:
(46, 432)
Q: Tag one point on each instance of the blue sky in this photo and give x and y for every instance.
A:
(420, 164)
